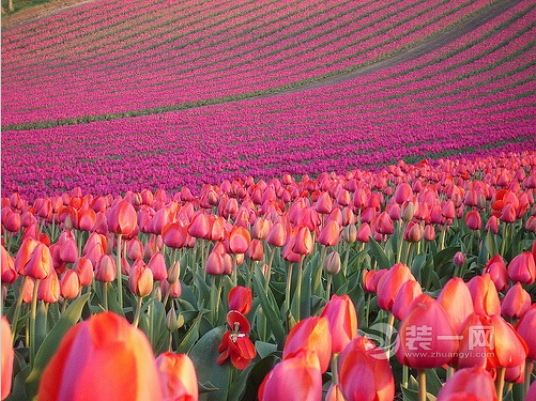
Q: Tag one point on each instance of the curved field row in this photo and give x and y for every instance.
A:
(262, 73)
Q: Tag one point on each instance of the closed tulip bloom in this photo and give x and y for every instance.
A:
(68, 251)
(140, 280)
(277, 235)
(526, 327)
(86, 219)
(414, 232)
(178, 380)
(409, 291)
(24, 254)
(497, 271)
(329, 235)
(69, 285)
(84, 270)
(390, 284)
(105, 270)
(522, 268)
(332, 263)
(100, 348)
(349, 233)
(365, 372)
(470, 384)
(173, 289)
(303, 242)
(342, 319)
(240, 299)
(426, 337)
(175, 235)
(239, 240)
(403, 193)
(8, 357)
(293, 379)
(157, 265)
(473, 220)
(370, 279)
(311, 335)
(363, 233)
(429, 233)
(9, 274)
(123, 219)
(456, 299)
(200, 226)
(459, 259)
(27, 289)
(12, 222)
(485, 297)
(509, 347)
(49, 289)
(216, 263)
(40, 264)
(384, 224)
(255, 250)
(516, 302)
(134, 249)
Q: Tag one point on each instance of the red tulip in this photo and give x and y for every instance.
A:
(311, 335)
(365, 373)
(293, 379)
(178, 380)
(342, 319)
(370, 279)
(522, 268)
(235, 343)
(426, 337)
(363, 233)
(239, 240)
(497, 271)
(516, 302)
(409, 291)
(390, 284)
(471, 384)
(526, 327)
(384, 225)
(329, 235)
(84, 270)
(100, 348)
(455, 298)
(9, 274)
(134, 249)
(105, 270)
(122, 219)
(157, 265)
(40, 264)
(277, 235)
(87, 219)
(240, 299)
(303, 242)
(473, 220)
(403, 193)
(49, 289)
(175, 235)
(8, 357)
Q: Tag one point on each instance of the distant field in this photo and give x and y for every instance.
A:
(114, 96)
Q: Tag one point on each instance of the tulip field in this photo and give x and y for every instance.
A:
(310, 200)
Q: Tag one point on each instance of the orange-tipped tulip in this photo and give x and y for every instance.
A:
(485, 298)
(69, 285)
(342, 318)
(311, 335)
(140, 279)
(329, 235)
(178, 380)
(455, 298)
(40, 264)
(103, 358)
(239, 240)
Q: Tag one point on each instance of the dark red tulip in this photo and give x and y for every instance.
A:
(240, 299)
(236, 344)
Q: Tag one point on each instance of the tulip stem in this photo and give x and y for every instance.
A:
(138, 312)
(334, 370)
(499, 384)
(526, 382)
(389, 334)
(328, 287)
(105, 296)
(405, 376)
(297, 292)
(287, 289)
(213, 298)
(421, 378)
(33, 314)
(16, 314)
(269, 270)
(119, 273)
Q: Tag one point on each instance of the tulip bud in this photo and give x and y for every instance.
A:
(105, 270)
(485, 297)
(174, 272)
(496, 268)
(407, 211)
(277, 235)
(239, 240)
(459, 259)
(429, 233)
(414, 232)
(332, 264)
(240, 299)
(349, 233)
